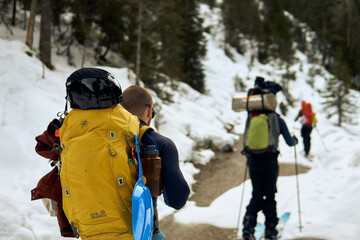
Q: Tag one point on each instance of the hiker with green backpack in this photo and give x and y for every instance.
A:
(262, 131)
(138, 101)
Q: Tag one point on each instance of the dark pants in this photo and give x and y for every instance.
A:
(264, 171)
(305, 134)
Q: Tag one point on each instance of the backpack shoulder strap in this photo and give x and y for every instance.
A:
(143, 129)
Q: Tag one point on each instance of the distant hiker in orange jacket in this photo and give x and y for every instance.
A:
(308, 120)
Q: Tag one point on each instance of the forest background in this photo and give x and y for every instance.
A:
(164, 40)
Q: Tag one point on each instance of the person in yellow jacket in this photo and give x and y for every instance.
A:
(138, 101)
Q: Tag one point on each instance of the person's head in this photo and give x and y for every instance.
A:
(268, 85)
(138, 101)
(259, 82)
(303, 103)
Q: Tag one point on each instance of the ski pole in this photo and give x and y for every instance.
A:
(322, 140)
(297, 187)
(241, 202)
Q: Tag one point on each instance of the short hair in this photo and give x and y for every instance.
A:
(135, 99)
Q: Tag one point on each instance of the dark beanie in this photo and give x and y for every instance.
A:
(259, 81)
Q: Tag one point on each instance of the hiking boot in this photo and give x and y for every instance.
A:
(271, 232)
(248, 235)
(249, 227)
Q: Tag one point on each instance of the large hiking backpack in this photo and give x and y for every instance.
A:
(97, 177)
(307, 112)
(262, 127)
(98, 173)
(49, 189)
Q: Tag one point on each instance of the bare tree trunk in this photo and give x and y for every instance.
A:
(25, 11)
(323, 41)
(43, 71)
(13, 22)
(84, 53)
(138, 44)
(30, 31)
(45, 34)
(339, 107)
(349, 22)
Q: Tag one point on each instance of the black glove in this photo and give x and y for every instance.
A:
(296, 140)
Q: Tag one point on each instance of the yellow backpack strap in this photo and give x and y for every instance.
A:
(143, 129)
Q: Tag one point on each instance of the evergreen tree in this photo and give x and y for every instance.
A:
(338, 98)
(85, 12)
(118, 25)
(193, 47)
(167, 28)
(177, 43)
(241, 18)
(339, 102)
(151, 41)
(268, 26)
(345, 35)
(277, 28)
(336, 24)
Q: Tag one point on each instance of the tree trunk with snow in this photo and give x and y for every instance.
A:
(138, 44)
(13, 20)
(45, 34)
(30, 30)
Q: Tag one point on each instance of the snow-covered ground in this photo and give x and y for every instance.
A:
(329, 192)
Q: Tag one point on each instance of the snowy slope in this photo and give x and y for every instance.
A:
(330, 191)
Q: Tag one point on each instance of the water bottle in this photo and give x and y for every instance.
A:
(151, 164)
